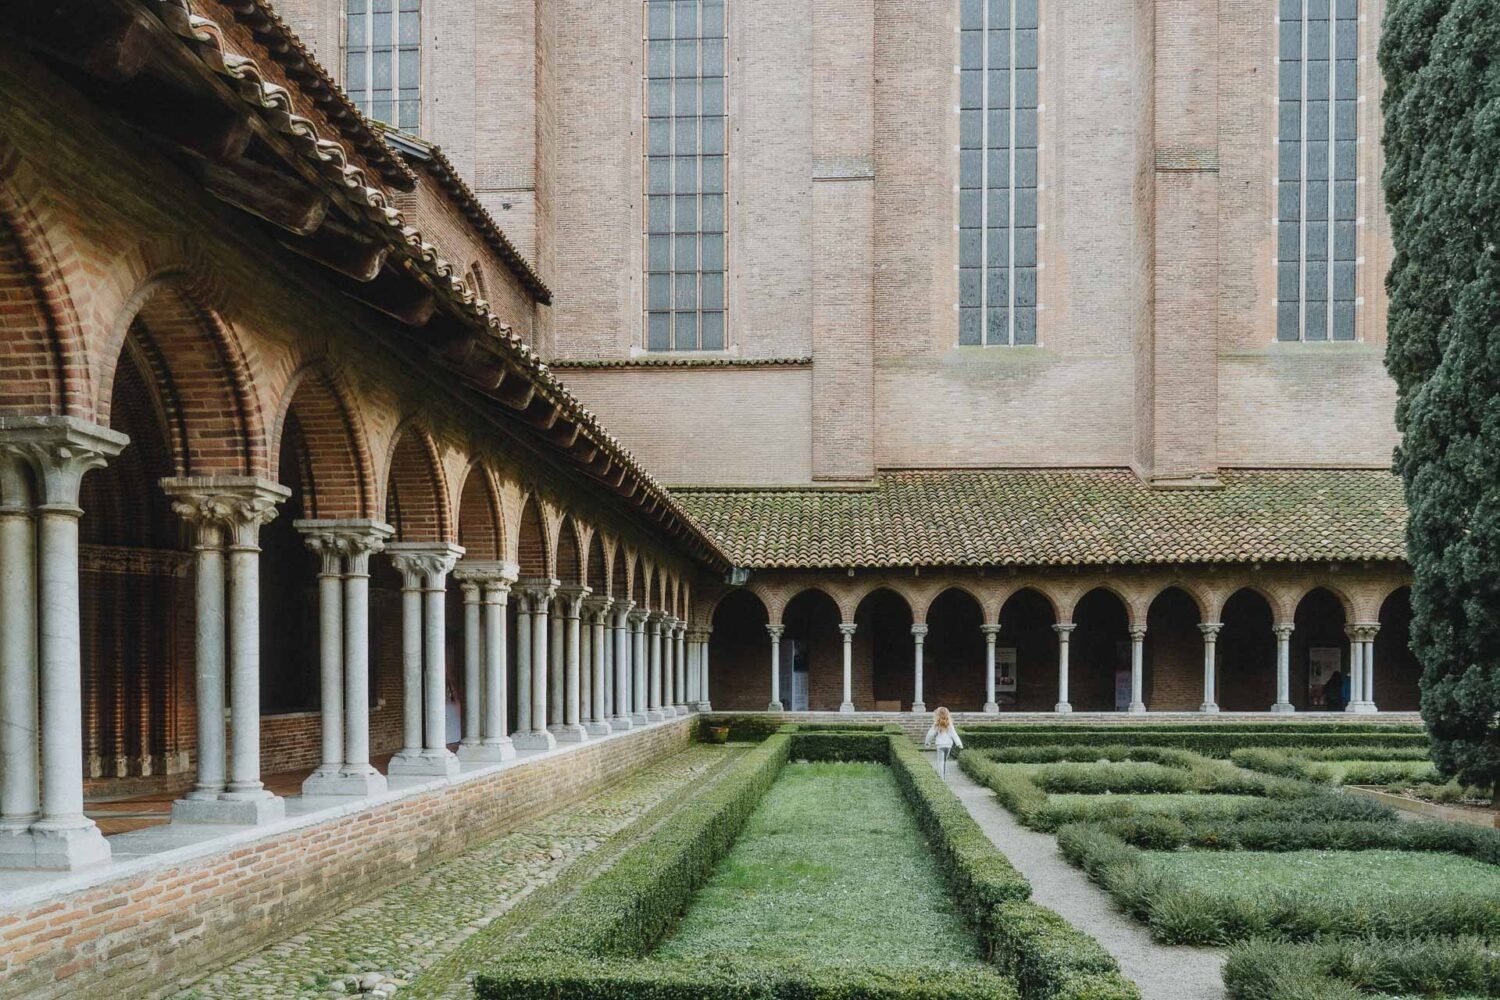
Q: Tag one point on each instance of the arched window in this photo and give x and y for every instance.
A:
(686, 175)
(997, 202)
(1317, 169)
(382, 59)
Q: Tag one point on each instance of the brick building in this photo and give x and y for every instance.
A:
(556, 365)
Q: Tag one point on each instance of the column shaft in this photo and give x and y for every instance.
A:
(244, 672)
(357, 676)
(1064, 632)
(331, 662)
(19, 801)
(208, 653)
(776, 633)
(1283, 634)
(473, 703)
(1137, 669)
(991, 633)
(523, 664)
(918, 641)
(847, 630)
(411, 665)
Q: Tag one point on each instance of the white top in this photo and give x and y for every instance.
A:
(943, 738)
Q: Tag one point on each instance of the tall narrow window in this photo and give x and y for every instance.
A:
(382, 59)
(685, 175)
(997, 199)
(1317, 169)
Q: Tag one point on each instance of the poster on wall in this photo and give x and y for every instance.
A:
(1005, 675)
(1323, 663)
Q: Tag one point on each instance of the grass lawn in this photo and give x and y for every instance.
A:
(830, 870)
(1355, 878)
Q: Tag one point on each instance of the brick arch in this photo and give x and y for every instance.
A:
(337, 475)
(859, 597)
(1134, 613)
(481, 517)
(1032, 587)
(44, 367)
(415, 493)
(533, 549)
(570, 551)
(1274, 599)
(839, 598)
(644, 577)
(1204, 601)
(122, 503)
(619, 571)
(1340, 594)
(597, 565)
(921, 609)
(201, 376)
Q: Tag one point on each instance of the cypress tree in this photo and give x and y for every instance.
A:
(1441, 61)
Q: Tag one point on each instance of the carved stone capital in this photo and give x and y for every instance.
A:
(1137, 632)
(1283, 630)
(353, 540)
(1064, 630)
(596, 608)
(234, 505)
(989, 631)
(424, 562)
(919, 631)
(622, 610)
(59, 450)
(776, 632)
(638, 618)
(538, 591)
(846, 629)
(1211, 630)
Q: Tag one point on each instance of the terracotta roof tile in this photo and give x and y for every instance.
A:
(1059, 517)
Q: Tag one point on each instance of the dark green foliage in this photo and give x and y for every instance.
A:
(1442, 187)
(1335, 970)
(750, 728)
(1219, 741)
(834, 745)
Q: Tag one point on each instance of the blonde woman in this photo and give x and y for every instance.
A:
(944, 736)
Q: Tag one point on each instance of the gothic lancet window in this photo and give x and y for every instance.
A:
(382, 60)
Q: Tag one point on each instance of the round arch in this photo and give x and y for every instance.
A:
(1172, 664)
(481, 515)
(1026, 652)
(954, 655)
(883, 647)
(1099, 651)
(739, 651)
(415, 493)
(532, 555)
(336, 472)
(1246, 650)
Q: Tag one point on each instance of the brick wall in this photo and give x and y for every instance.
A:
(129, 936)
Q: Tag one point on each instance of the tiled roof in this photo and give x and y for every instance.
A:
(1059, 517)
(679, 361)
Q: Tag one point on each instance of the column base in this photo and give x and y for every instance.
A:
(991, 708)
(534, 739)
(669, 711)
(1209, 708)
(360, 782)
(424, 764)
(69, 847)
(488, 752)
(1361, 708)
(620, 723)
(568, 733)
(638, 719)
(17, 849)
(918, 707)
(655, 715)
(1283, 708)
(847, 706)
(597, 728)
(1137, 708)
(704, 706)
(684, 710)
(775, 706)
(1062, 708)
(233, 812)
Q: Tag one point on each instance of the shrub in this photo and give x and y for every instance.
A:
(750, 728)
(1095, 779)
(1051, 959)
(821, 745)
(1332, 970)
(1215, 742)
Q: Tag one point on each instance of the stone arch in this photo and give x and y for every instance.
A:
(481, 515)
(337, 469)
(533, 547)
(1320, 618)
(1246, 648)
(1398, 672)
(1274, 598)
(416, 496)
(45, 367)
(955, 648)
(570, 552)
(1100, 646)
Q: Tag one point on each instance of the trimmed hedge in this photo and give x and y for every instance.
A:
(1344, 970)
(752, 728)
(840, 746)
(1209, 742)
(1358, 771)
(1194, 727)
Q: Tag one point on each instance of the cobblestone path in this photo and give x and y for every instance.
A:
(382, 944)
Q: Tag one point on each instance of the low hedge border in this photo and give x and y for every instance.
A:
(1210, 743)
(1194, 727)
(1353, 970)
(1177, 915)
(621, 914)
(1319, 770)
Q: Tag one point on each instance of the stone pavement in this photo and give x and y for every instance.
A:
(375, 948)
(1163, 972)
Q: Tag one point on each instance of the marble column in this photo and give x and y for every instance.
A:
(846, 629)
(1283, 633)
(991, 633)
(705, 703)
(1137, 669)
(569, 729)
(50, 455)
(486, 585)
(654, 712)
(523, 662)
(776, 632)
(228, 633)
(668, 710)
(424, 567)
(557, 664)
(918, 639)
(1064, 632)
(638, 667)
(680, 687)
(621, 720)
(1361, 668)
(1369, 630)
(596, 721)
(1210, 632)
(539, 595)
(330, 658)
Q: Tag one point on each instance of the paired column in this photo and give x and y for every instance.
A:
(918, 638)
(42, 464)
(569, 728)
(775, 632)
(704, 703)
(679, 660)
(638, 667)
(531, 730)
(1283, 633)
(596, 719)
(1064, 632)
(654, 712)
(991, 632)
(668, 657)
(693, 674)
(225, 514)
(621, 720)
(1362, 667)
(486, 586)
(846, 629)
(1210, 632)
(345, 547)
(424, 568)
(1137, 669)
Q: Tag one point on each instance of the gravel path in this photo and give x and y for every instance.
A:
(375, 948)
(1163, 972)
